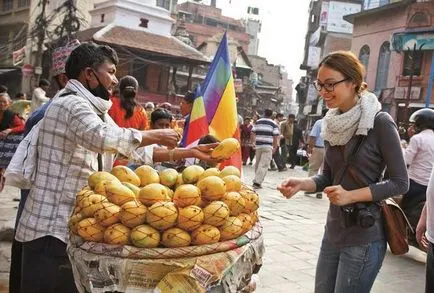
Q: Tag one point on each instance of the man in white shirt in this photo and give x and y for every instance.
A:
(425, 234)
(39, 96)
(419, 156)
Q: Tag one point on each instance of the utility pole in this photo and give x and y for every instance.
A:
(412, 56)
(41, 23)
(71, 22)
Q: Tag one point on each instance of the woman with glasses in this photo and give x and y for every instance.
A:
(360, 142)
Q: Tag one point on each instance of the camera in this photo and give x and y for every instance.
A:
(360, 214)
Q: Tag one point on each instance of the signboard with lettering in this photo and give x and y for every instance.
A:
(336, 12)
(401, 93)
(8, 147)
(314, 57)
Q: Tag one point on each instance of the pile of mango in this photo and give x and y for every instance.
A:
(148, 209)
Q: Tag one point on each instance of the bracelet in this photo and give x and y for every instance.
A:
(171, 153)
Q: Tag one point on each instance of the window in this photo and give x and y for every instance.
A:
(102, 17)
(23, 3)
(364, 56)
(140, 70)
(383, 67)
(8, 5)
(408, 59)
(420, 18)
(211, 22)
(164, 4)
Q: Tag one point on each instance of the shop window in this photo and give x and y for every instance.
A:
(8, 5)
(408, 59)
(364, 56)
(23, 3)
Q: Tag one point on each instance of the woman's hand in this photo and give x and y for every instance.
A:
(290, 186)
(421, 229)
(338, 195)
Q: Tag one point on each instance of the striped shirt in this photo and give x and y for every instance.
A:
(70, 136)
(265, 130)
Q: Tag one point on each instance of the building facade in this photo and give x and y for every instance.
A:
(388, 38)
(327, 32)
(205, 21)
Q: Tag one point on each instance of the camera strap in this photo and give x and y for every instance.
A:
(351, 158)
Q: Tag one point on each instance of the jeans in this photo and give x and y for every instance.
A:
(350, 269)
(429, 277)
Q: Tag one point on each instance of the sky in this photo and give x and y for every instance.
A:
(284, 26)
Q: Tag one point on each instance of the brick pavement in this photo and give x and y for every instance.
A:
(292, 231)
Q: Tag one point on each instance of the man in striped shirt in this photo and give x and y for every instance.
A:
(266, 134)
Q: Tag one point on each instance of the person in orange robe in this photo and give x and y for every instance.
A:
(125, 111)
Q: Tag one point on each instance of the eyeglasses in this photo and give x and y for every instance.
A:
(328, 86)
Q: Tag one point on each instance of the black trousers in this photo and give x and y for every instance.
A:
(413, 202)
(293, 155)
(17, 250)
(45, 267)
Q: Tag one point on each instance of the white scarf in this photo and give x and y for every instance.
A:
(100, 106)
(338, 128)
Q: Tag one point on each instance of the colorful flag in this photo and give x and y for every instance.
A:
(219, 98)
(196, 124)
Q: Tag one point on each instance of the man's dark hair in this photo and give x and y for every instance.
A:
(89, 55)
(291, 116)
(208, 139)
(160, 114)
(189, 97)
(279, 115)
(44, 82)
(268, 113)
(19, 95)
(3, 89)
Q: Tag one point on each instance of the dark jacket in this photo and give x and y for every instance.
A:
(380, 149)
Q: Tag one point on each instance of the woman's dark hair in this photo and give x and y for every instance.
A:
(128, 86)
(160, 114)
(89, 55)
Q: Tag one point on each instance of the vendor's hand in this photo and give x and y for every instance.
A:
(203, 153)
(206, 148)
(166, 137)
(5, 133)
(289, 187)
(420, 234)
(338, 195)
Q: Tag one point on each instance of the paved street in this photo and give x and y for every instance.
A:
(292, 229)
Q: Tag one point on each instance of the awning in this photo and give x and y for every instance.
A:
(423, 38)
(7, 70)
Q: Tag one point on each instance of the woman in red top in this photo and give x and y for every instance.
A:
(125, 111)
(10, 123)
